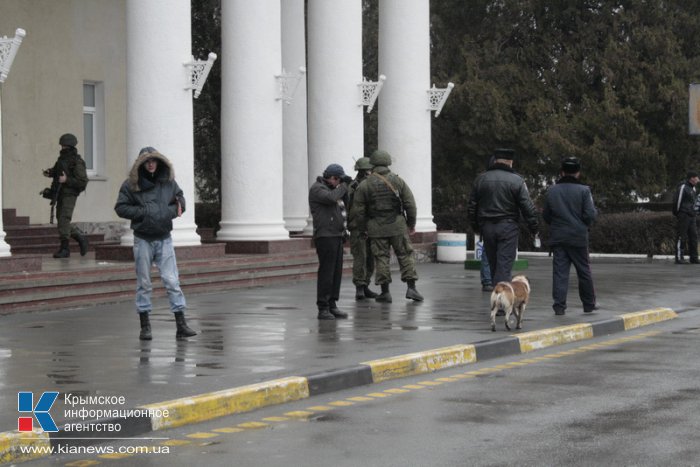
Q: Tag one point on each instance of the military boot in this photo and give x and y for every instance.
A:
(412, 293)
(63, 251)
(369, 293)
(145, 327)
(183, 330)
(360, 292)
(82, 241)
(385, 296)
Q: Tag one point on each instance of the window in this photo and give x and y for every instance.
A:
(93, 127)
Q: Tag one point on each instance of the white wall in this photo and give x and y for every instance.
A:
(67, 42)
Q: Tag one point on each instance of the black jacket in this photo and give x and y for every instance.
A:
(329, 215)
(500, 194)
(150, 202)
(684, 199)
(569, 209)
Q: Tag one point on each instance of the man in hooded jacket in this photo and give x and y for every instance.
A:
(151, 199)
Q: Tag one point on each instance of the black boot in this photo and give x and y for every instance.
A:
(360, 292)
(323, 313)
(335, 311)
(145, 327)
(182, 329)
(385, 296)
(82, 241)
(369, 293)
(63, 251)
(412, 293)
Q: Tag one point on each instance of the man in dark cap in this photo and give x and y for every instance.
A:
(683, 209)
(69, 171)
(499, 196)
(569, 211)
(328, 198)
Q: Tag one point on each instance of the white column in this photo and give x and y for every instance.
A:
(159, 109)
(404, 121)
(251, 122)
(295, 146)
(334, 72)
(4, 247)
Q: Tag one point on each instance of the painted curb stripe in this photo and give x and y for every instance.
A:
(12, 443)
(229, 401)
(335, 380)
(421, 362)
(646, 317)
(608, 326)
(544, 338)
(497, 348)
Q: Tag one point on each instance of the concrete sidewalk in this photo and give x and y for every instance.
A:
(254, 335)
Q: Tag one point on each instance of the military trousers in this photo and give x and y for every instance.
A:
(381, 250)
(362, 259)
(501, 247)
(562, 259)
(64, 214)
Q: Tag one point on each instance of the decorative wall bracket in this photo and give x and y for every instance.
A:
(437, 97)
(199, 70)
(288, 83)
(8, 50)
(369, 91)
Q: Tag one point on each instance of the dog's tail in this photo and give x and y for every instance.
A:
(499, 296)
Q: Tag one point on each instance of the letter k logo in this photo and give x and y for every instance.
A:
(25, 403)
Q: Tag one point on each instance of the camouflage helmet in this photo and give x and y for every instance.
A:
(68, 140)
(380, 157)
(363, 163)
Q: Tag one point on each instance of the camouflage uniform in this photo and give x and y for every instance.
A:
(73, 166)
(362, 259)
(386, 214)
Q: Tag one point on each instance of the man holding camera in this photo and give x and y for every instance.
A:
(328, 198)
(70, 179)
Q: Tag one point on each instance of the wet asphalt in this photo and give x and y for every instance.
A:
(252, 335)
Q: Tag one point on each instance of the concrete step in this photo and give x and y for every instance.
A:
(10, 218)
(115, 283)
(50, 248)
(14, 231)
(29, 240)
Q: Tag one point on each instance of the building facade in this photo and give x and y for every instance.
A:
(113, 73)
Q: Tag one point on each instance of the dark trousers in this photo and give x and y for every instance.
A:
(687, 234)
(563, 257)
(501, 247)
(330, 269)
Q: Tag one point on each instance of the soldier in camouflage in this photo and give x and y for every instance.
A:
(362, 259)
(70, 172)
(385, 211)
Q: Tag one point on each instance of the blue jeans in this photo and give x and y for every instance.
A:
(162, 253)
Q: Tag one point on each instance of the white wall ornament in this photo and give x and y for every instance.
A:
(199, 71)
(369, 91)
(437, 97)
(8, 50)
(288, 83)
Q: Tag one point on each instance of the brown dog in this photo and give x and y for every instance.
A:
(511, 297)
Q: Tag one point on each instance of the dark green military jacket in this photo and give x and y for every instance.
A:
(381, 211)
(70, 163)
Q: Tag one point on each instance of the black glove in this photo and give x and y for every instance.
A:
(346, 179)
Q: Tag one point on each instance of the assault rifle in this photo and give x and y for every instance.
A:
(52, 192)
